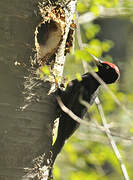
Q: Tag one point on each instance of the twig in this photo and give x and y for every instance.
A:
(112, 142)
(101, 128)
(70, 113)
(105, 129)
(86, 66)
(84, 122)
(104, 13)
(97, 101)
(110, 92)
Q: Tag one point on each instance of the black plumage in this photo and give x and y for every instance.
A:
(87, 89)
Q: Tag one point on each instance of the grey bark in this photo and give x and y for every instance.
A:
(25, 134)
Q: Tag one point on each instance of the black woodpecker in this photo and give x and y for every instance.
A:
(87, 88)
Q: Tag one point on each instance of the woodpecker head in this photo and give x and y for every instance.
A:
(108, 72)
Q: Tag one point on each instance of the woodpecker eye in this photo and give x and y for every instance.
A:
(107, 67)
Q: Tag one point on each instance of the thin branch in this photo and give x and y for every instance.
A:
(88, 67)
(70, 113)
(105, 129)
(112, 142)
(96, 125)
(101, 112)
(85, 122)
(110, 92)
(104, 13)
(85, 64)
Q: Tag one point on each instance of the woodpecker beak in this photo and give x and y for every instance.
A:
(96, 60)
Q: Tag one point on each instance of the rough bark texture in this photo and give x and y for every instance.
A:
(25, 133)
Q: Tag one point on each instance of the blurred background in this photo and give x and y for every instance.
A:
(106, 29)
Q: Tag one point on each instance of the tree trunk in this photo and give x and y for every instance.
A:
(27, 113)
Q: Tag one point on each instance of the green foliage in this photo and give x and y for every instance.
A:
(94, 5)
(78, 76)
(45, 70)
(57, 172)
(82, 6)
(91, 30)
(107, 101)
(82, 55)
(94, 47)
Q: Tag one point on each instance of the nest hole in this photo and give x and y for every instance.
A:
(47, 40)
(45, 30)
